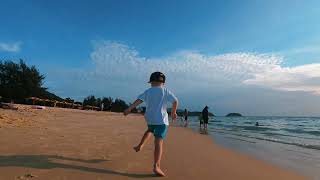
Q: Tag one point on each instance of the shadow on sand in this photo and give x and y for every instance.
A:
(45, 162)
(202, 131)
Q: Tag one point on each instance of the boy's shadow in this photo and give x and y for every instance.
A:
(45, 162)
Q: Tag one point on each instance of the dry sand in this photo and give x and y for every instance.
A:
(63, 144)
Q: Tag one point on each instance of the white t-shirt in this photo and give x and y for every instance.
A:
(156, 100)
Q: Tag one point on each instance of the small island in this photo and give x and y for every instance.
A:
(234, 115)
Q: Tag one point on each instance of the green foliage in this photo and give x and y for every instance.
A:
(19, 81)
(69, 100)
(107, 102)
(90, 100)
(119, 106)
(80, 103)
(98, 102)
(48, 95)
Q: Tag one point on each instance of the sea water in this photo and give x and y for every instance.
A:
(290, 142)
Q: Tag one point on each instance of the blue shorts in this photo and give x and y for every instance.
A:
(159, 131)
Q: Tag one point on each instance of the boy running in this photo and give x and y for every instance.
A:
(156, 99)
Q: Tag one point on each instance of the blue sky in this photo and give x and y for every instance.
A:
(64, 35)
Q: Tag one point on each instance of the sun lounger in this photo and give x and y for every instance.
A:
(38, 107)
(8, 106)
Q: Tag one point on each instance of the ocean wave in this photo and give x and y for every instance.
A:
(277, 132)
(248, 123)
(249, 128)
(215, 121)
(257, 128)
(288, 135)
(301, 131)
(308, 146)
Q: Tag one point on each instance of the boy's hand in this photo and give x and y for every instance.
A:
(174, 116)
(132, 106)
(126, 112)
(174, 110)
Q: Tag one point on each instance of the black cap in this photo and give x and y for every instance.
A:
(157, 77)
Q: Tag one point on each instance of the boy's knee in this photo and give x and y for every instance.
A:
(158, 140)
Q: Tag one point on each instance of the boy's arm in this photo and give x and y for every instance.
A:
(174, 110)
(132, 106)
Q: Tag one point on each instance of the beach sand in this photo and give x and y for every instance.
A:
(63, 144)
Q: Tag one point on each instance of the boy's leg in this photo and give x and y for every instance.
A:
(144, 139)
(158, 142)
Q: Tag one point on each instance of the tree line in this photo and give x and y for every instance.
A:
(106, 103)
(19, 81)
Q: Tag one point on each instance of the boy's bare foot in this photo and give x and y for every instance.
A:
(137, 148)
(158, 172)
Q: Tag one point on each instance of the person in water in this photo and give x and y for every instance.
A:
(185, 115)
(156, 99)
(205, 117)
(200, 120)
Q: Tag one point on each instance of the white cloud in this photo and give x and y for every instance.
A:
(119, 61)
(300, 78)
(250, 83)
(10, 47)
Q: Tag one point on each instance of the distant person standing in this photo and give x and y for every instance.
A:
(205, 117)
(185, 115)
(102, 106)
(201, 120)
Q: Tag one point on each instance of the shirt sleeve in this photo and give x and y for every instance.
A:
(142, 96)
(171, 97)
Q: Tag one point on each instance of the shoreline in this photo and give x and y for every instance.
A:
(282, 155)
(74, 144)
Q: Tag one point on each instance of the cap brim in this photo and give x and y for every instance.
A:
(155, 81)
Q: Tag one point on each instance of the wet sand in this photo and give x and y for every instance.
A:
(65, 144)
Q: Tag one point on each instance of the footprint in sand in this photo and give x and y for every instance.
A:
(27, 176)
